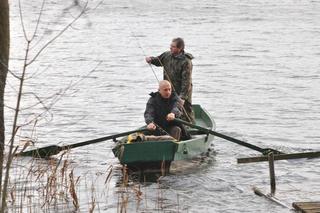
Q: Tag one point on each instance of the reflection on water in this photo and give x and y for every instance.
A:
(182, 167)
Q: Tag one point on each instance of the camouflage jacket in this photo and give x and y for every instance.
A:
(158, 108)
(177, 70)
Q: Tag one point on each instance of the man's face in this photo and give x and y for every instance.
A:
(165, 91)
(174, 49)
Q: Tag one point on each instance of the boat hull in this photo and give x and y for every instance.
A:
(159, 154)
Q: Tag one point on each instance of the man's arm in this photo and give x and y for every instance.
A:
(157, 61)
(149, 114)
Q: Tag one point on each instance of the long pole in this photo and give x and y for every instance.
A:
(47, 151)
(226, 137)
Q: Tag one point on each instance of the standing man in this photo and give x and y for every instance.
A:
(161, 109)
(177, 69)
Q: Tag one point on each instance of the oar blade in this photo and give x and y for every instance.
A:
(42, 152)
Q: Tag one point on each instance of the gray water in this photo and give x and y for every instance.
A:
(256, 70)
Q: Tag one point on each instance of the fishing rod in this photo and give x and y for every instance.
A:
(143, 52)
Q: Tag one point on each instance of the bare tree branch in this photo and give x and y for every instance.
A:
(38, 21)
(89, 73)
(11, 72)
(44, 102)
(36, 72)
(55, 98)
(21, 20)
(39, 101)
(38, 117)
(58, 35)
(97, 5)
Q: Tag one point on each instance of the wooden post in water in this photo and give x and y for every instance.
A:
(272, 174)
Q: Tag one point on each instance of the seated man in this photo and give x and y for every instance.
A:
(162, 107)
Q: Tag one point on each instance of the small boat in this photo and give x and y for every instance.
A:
(159, 154)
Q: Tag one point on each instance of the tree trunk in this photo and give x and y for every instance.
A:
(4, 63)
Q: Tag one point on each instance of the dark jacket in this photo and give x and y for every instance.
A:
(158, 108)
(177, 70)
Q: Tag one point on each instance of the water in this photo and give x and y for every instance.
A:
(256, 70)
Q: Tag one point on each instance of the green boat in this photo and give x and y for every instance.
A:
(160, 154)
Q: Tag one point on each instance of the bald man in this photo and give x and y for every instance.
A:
(162, 107)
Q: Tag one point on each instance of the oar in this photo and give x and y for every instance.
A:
(264, 151)
(55, 149)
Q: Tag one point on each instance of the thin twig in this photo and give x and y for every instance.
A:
(38, 21)
(21, 20)
(36, 72)
(58, 35)
(10, 71)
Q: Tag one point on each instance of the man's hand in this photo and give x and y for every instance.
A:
(151, 126)
(181, 102)
(148, 60)
(170, 117)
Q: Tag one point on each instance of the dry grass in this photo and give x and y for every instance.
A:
(53, 186)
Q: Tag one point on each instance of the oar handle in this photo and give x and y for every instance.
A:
(226, 137)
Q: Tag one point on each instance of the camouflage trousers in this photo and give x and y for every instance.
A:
(188, 114)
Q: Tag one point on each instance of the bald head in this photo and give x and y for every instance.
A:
(165, 89)
(164, 83)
